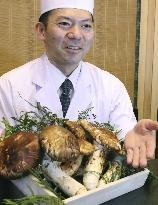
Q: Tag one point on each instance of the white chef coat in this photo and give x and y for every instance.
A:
(39, 81)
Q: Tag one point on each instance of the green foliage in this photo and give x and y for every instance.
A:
(113, 173)
(107, 126)
(34, 200)
(38, 173)
(128, 170)
(32, 121)
(85, 114)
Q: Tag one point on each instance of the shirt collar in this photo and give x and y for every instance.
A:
(59, 77)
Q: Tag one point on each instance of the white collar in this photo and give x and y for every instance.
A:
(59, 77)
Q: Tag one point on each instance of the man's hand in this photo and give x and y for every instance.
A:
(140, 143)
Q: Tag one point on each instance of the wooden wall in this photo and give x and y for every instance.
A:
(114, 43)
(148, 63)
(18, 42)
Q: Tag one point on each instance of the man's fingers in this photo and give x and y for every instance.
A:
(142, 156)
(150, 147)
(152, 125)
(147, 125)
(136, 157)
(129, 155)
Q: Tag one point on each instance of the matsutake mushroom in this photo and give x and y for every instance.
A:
(85, 146)
(114, 171)
(93, 169)
(18, 154)
(102, 135)
(61, 145)
(54, 173)
(72, 166)
(76, 129)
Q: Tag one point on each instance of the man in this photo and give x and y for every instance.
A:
(66, 28)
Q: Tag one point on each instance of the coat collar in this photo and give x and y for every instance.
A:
(39, 75)
(46, 92)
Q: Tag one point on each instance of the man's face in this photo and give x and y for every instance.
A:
(68, 36)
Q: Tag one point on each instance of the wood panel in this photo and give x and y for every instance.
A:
(154, 98)
(18, 42)
(148, 74)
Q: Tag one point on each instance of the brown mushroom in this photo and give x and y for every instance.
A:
(86, 148)
(72, 166)
(59, 143)
(103, 136)
(18, 154)
(76, 129)
(62, 145)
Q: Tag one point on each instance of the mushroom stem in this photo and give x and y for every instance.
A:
(53, 171)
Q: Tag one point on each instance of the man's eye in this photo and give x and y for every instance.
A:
(87, 26)
(64, 24)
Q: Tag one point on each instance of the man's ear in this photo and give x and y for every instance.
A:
(40, 30)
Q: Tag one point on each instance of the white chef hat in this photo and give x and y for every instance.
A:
(47, 5)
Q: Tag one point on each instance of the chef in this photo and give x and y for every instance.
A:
(68, 86)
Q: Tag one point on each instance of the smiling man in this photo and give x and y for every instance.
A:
(68, 35)
(61, 81)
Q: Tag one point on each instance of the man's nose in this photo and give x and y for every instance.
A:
(75, 32)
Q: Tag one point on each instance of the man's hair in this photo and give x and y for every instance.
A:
(44, 18)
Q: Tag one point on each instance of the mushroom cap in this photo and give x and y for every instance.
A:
(76, 129)
(102, 135)
(59, 143)
(86, 148)
(18, 154)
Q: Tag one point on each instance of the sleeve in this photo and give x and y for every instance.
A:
(6, 102)
(121, 111)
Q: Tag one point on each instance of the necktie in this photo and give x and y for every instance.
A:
(66, 88)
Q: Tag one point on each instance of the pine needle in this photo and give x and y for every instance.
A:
(32, 200)
(37, 173)
(32, 121)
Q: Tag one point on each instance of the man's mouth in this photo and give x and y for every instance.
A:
(74, 47)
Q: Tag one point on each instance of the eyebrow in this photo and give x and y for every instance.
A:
(68, 18)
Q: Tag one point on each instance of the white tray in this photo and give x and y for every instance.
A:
(29, 185)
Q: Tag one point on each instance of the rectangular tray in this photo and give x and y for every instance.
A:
(29, 185)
